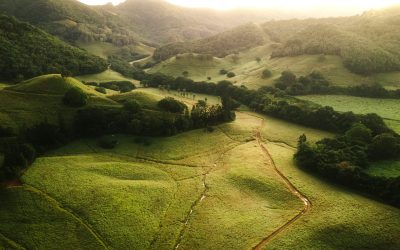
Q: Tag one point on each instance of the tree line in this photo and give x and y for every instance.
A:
(20, 149)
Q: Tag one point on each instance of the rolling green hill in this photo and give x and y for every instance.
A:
(40, 99)
(26, 51)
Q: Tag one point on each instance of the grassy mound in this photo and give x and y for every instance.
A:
(51, 85)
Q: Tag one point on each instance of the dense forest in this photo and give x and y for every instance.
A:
(71, 20)
(26, 51)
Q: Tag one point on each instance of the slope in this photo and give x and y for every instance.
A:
(26, 51)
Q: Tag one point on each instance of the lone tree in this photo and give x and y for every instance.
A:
(75, 97)
(231, 74)
(266, 74)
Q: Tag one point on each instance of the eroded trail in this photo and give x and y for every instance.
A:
(291, 187)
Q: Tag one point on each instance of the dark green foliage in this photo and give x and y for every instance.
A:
(45, 136)
(108, 141)
(124, 68)
(223, 72)
(123, 86)
(230, 74)
(28, 51)
(266, 74)
(342, 159)
(75, 97)
(133, 107)
(17, 156)
(169, 104)
(101, 90)
(70, 20)
(385, 146)
(286, 80)
(359, 133)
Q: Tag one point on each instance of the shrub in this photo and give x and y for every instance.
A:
(101, 90)
(75, 97)
(230, 74)
(171, 105)
(108, 142)
(223, 72)
(266, 74)
(132, 107)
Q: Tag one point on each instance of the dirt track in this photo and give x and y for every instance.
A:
(291, 187)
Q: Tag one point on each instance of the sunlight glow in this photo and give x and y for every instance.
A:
(355, 5)
(286, 4)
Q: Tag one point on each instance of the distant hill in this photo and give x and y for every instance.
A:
(221, 45)
(26, 51)
(367, 44)
(162, 23)
(70, 20)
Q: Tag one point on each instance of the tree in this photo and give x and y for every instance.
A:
(75, 97)
(266, 74)
(101, 90)
(223, 72)
(385, 146)
(359, 133)
(171, 105)
(287, 79)
(132, 107)
(185, 73)
(230, 74)
(108, 142)
(258, 59)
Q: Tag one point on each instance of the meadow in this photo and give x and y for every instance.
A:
(249, 71)
(189, 191)
(386, 108)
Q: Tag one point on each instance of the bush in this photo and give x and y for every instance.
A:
(266, 74)
(171, 105)
(132, 107)
(230, 74)
(108, 142)
(75, 97)
(101, 90)
(223, 72)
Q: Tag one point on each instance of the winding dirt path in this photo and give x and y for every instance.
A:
(291, 187)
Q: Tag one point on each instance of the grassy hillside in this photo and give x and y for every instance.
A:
(70, 20)
(221, 45)
(40, 99)
(249, 72)
(193, 190)
(27, 51)
(386, 108)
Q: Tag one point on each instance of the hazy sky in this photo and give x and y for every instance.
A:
(355, 5)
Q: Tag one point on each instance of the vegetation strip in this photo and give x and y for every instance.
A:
(67, 211)
(292, 188)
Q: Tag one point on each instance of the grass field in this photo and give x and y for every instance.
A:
(248, 71)
(385, 168)
(195, 190)
(386, 108)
